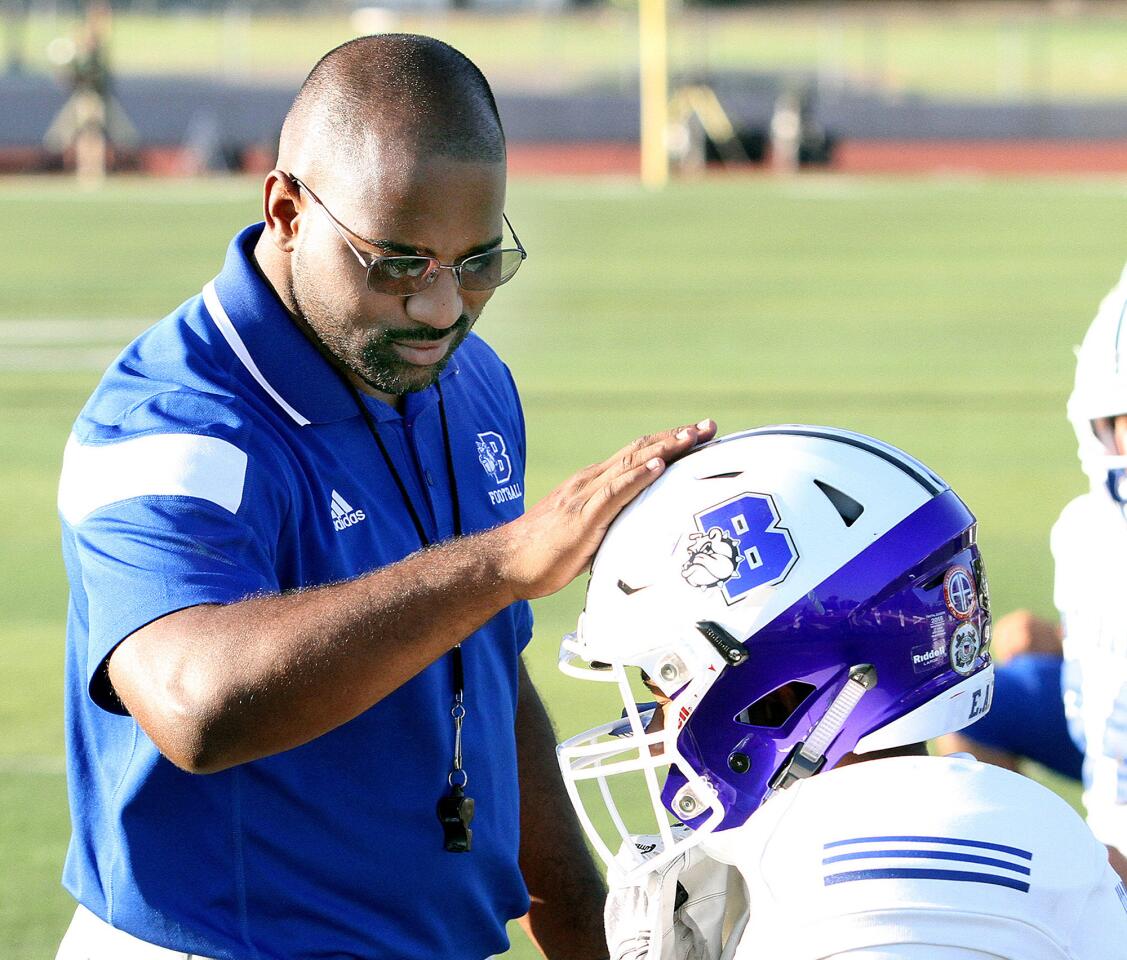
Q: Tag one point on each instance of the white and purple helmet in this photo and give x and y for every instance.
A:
(806, 560)
(1100, 391)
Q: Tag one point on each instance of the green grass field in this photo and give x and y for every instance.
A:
(961, 50)
(937, 314)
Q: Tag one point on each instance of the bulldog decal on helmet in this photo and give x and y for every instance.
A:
(714, 558)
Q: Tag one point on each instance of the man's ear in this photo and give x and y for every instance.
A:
(281, 209)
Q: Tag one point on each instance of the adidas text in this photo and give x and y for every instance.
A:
(348, 519)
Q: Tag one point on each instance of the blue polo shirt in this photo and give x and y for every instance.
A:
(222, 457)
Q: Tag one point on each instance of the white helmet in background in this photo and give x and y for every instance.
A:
(1100, 390)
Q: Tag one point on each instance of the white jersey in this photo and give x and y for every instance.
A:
(943, 856)
(1089, 544)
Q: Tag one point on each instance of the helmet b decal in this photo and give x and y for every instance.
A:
(739, 546)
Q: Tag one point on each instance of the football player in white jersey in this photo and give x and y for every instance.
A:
(809, 606)
(1089, 544)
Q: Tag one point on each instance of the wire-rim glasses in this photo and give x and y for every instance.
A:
(402, 275)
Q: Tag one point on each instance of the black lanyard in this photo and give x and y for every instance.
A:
(455, 810)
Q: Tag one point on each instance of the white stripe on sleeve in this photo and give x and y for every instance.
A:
(163, 464)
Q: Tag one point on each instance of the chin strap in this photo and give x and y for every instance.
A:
(809, 756)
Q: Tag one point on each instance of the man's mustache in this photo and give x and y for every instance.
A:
(423, 334)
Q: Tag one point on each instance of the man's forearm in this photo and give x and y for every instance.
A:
(215, 686)
(218, 685)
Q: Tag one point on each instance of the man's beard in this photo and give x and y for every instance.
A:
(379, 366)
(374, 360)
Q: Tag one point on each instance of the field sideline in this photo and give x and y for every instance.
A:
(963, 50)
(937, 314)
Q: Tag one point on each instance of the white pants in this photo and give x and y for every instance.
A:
(90, 938)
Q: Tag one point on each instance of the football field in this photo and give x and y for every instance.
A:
(938, 314)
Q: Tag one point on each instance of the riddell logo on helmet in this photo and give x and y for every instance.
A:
(930, 657)
(926, 657)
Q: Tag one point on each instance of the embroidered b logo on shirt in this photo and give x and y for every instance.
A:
(494, 460)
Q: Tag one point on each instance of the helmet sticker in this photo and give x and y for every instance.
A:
(960, 593)
(965, 646)
(979, 573)
(739, 546)
(714, 558)
(929, 656)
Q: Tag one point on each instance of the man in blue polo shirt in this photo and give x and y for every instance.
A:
(293, 524)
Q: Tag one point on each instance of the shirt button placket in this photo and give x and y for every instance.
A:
(428, 478)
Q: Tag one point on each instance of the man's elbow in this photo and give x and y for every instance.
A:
(190, 734)
(191, 744)
(182, 714)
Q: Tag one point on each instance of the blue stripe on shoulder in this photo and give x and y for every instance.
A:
(982, 844)
(910, 873)
(930, 855)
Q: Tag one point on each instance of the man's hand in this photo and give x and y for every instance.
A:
(556, 539)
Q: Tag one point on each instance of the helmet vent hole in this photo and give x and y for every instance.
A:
(723, 476)
(775, 708)
(847, 508)
(935, 581)
(627, 589)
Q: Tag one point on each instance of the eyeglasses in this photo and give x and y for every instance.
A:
(404, 275)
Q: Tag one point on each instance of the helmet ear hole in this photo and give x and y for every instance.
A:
(774, 709)
(847, 508)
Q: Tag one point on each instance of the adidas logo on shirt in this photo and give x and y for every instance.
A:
(343, 514)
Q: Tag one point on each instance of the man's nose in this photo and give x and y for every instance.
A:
(438, 305)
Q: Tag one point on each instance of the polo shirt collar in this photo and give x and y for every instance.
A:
(271, 346)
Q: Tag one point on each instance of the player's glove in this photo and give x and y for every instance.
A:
(673, 913)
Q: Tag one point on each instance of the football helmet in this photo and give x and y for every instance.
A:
(1100, 390)
(797, 593)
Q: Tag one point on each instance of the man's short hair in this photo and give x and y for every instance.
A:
(414, 93)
